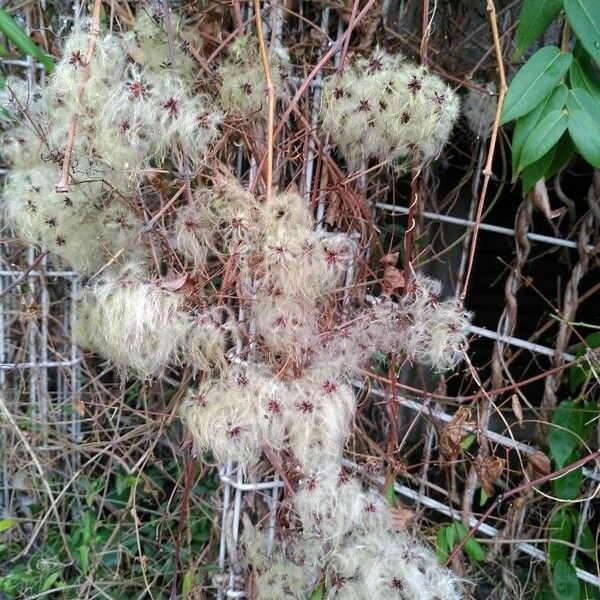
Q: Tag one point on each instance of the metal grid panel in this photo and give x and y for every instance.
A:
(50, 377)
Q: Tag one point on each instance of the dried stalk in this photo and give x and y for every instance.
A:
(63, 184)
(487, 171)
(264, 57)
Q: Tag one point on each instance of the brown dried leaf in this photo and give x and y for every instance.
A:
(489, 470)
(389, 259)
(392, 279)
(516, 408)
(541, 200)
(402, 518)
(175, 283)
(79, 406)
(540, 464)
(454, 433)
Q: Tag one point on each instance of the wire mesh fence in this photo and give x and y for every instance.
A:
(41, 367)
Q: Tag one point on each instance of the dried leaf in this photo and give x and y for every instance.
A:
(392, 279)
(540, 464)
(516, 407)
(539, 197)
(175, 283)
(79, 406)
(453, 434)
(489, 470)
(389, 259)
(402, 518)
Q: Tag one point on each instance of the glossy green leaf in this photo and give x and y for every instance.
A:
(581, 99)
(525, 125)
(584, 75)
(559, 535)
(537, 170)
(21, 40)
(564, 152)
(544, 137)
(567, 486)
(586, 137)
(565, 581)
(535, 17)
(534, 81)
(584, 18)
(584, 124)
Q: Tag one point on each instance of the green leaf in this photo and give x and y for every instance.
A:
(317, 594)
(567, 487)
(22, 41)
(587, 541)
(441, 545)
(188, 584)
(534, 81)
(83, 553)
(535, 17)
(568, 426)
(561, 530)
(564, 152)
(483, 497)
(584, 75)
(88, 527)
(468, 441)
(537, 170)
(584, 124)
(590, 591)
(50, 581)
(565, 581)
(525, 125)
(544, 137)
(586, 136)
(390, 494)
(472, 547)
(581, 99)
(584, 18)
(7, 524)
(451, 533)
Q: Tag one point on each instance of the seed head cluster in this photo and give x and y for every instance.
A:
(243, 90)
(344, 538)
(129, 116)
(388, 109)
(276, 374)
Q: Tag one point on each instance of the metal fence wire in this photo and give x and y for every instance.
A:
(41, 371)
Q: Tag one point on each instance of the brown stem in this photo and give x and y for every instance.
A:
(63, 184)
(487, 171)
(264, 57)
